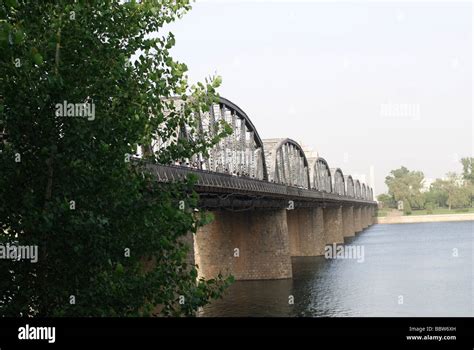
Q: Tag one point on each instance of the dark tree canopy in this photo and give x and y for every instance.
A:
(111, 241)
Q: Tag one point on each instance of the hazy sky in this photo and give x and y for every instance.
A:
(331, 75)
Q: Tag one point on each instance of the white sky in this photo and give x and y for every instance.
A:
(319, 73)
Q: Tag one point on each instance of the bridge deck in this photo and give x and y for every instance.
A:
(225, 190)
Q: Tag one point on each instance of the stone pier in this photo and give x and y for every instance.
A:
(252, 245)
(259, 244)
(306, 231)
(364, 217)
(357, 219)
(333, 229)
(348, 229)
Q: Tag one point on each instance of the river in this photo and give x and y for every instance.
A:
(423, 269)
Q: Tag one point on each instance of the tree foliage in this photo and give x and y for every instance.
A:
(66, 185)
(468, 176)
(437, 195)
(405, 185)
(468, 169)
(453, 191)
(457, 193)
(387, 200)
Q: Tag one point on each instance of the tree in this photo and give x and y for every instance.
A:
(437, 194)
(406, 207)
(430, 206)
(458, 194)
(468, 176)
(468, 166)
(387, 200)
(452, 192)
(110, 239)
(459, 198)
(406, 185)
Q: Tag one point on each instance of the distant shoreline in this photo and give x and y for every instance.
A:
(409, 219)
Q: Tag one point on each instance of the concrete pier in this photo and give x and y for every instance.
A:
(259, 244)
(250, 245)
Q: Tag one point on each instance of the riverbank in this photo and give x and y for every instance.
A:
(409, 219)
(415, 212)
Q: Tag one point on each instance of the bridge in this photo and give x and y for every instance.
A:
(270, 202)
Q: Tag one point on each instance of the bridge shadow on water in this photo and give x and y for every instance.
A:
(408, 270)
(307, 294)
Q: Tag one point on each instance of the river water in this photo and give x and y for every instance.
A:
(408, 270)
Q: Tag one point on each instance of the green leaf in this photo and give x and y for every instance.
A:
(11, 3)
(119, 268)
(18, 37)
(38, 59)
(121, 206)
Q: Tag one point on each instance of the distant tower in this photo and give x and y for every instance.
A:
(372, 179)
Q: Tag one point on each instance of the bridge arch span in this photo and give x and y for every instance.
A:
(363, 190)
(286, 162)
(338, 185)
(242, 152)
(322, 176)
(357, 189)
(349, 186)
(368, 192)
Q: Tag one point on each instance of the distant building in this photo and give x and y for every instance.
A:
(400, 205)
(309, 152)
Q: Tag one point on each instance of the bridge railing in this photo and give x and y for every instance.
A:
(213, 182)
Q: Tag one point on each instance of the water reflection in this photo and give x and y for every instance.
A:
(415, 263)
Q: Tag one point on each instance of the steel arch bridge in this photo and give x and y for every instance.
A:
(338, 184)
(349, 186)
(287, 162)
(241, 153)
(322, 176)
(245, 167)
(357, 190)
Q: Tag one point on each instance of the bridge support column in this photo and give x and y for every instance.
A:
(306, 231)
(348, 229)
(362, 218)
(369, 216)
(333, 225)
(357, 219)
(365, 217)
(318, 221)
(249, 245)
